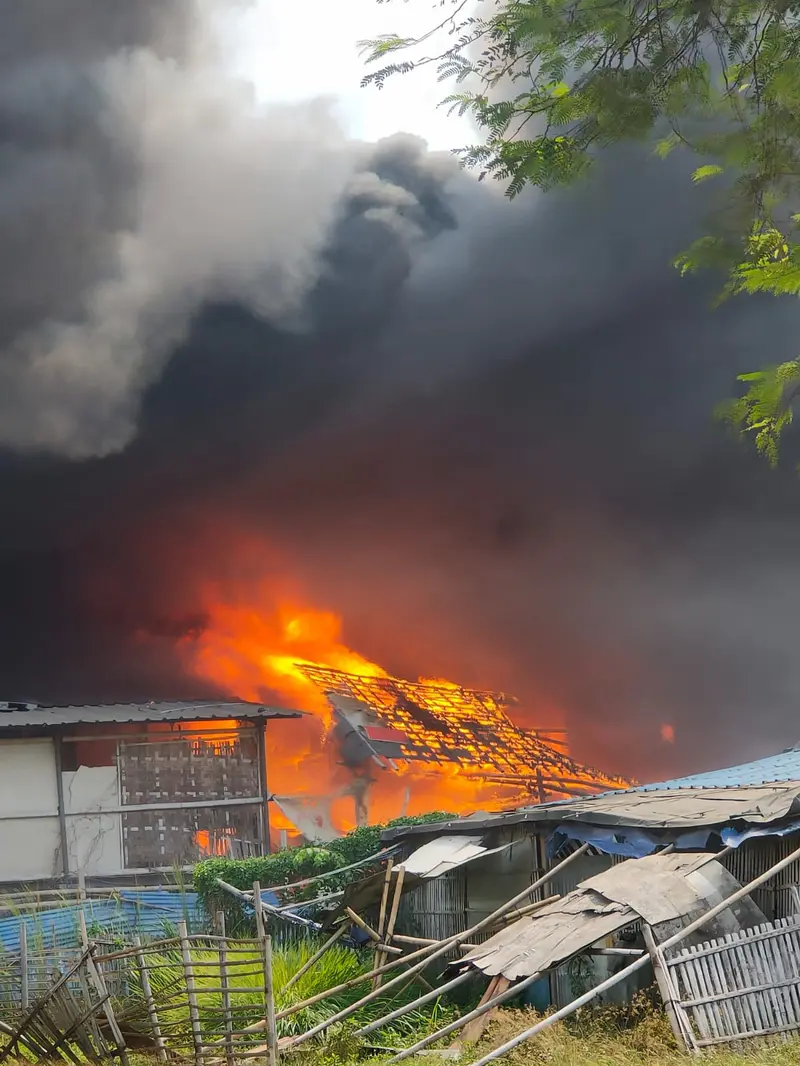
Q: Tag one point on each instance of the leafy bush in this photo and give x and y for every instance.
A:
(289, 865)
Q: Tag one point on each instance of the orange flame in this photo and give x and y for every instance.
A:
(257, 654)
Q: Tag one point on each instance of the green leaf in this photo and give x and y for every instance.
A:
(710, 170)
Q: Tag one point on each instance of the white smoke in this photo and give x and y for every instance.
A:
(232, 199)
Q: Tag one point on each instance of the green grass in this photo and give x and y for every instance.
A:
(337, 966)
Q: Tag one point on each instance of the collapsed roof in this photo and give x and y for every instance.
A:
(390, 720)
(660, 890)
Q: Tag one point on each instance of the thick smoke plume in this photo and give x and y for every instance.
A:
(479, 431)
(167, 186)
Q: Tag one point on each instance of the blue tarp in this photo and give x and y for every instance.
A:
(628, 842)
(149, 914)
(634, 843)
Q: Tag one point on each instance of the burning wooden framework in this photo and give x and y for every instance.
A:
(388, 721)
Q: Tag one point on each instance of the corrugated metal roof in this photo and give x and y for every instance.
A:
(151, 914)
(741, 791)
(20, 716)
(782, 767)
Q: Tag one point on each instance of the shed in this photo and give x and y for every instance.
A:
(128, 789)
(754, 807)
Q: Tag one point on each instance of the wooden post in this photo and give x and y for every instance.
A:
(266, 843)
(152, 1013)
(191, 992)
(24, 992)
(257, 908)
(588, 997)
(62, 813)
(387, 880)
(316, 956)
(226, 1000)
(269, 1004)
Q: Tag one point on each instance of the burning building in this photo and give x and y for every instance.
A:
(390, 725)
(372, 747)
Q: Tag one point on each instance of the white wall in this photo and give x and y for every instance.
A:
(94, 841)
(29, 846)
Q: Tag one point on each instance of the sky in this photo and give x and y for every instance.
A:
(266, 41)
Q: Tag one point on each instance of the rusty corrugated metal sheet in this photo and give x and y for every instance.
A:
(23, 716)
(654, 888)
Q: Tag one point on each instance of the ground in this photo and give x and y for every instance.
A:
(594, 1040)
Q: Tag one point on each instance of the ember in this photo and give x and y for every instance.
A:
(375, 747)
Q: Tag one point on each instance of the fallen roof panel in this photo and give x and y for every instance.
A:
(654, 888)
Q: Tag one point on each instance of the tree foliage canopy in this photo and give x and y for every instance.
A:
(550, 82)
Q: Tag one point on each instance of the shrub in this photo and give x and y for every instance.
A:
(289, 865)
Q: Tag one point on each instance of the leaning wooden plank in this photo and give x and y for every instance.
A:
(444, 948)
(473, 1030)
(621, 975)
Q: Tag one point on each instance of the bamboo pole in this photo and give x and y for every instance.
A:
(387, 881)
(226, 1003)
(269, 1004)
(191, 993)
(398, 892)
(315, 957)
(24, 991)
(665, 987)
(483, 1008)
(259, 911)
(435, 993)
(356, 919)
(444, 947)
(152, 1012)
(643, 960)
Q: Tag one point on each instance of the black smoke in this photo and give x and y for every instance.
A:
(488, 442)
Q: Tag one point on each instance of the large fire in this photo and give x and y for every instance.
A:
(284, 654)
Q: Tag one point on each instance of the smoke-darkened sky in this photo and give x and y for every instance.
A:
(479, 430)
